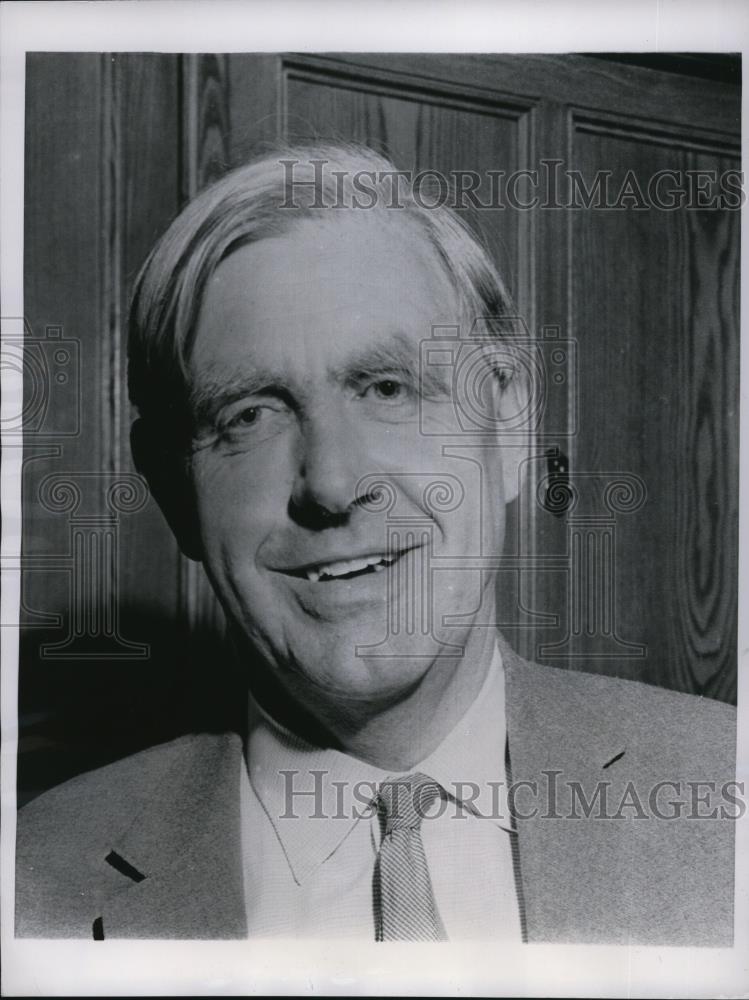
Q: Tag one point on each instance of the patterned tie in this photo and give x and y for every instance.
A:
(405, 908)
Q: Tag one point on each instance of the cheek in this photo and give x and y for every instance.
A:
(438, 418)
(238, 500)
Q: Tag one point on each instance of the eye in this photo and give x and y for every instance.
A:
(255, 419)
(387, 388)
(247, 417)
(251, 416)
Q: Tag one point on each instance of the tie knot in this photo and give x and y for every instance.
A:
(404, 801)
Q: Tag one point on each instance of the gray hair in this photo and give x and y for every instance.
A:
(252, 203)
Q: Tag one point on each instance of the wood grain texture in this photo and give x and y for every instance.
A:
(205, 155)
(102, 181)
(62, 294)
(148, 194)
(570, 80)
(206, 117)
(655, 312)
(254, 105)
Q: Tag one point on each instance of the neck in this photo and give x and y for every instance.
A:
(395, 735)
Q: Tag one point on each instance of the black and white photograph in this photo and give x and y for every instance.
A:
(371, 547)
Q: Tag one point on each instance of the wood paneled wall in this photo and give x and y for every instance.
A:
(647, 299)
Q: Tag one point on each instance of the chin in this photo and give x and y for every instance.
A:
(362, 667)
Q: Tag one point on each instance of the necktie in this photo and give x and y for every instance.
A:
(405, 908)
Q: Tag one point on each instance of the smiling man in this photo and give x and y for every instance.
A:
(305, 375)
(297, 393)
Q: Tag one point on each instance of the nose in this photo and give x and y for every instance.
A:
(329, 468)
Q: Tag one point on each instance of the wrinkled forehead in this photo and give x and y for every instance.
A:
(354, 242)
(326, 285)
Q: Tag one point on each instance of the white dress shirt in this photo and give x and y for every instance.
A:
(309, 859)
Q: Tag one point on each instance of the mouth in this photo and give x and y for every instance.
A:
(347, 569)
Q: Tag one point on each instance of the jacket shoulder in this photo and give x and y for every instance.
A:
(639, 782)
(665, 725)
(63, 836)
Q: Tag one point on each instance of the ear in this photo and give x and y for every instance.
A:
(166, 472)
(513, 407)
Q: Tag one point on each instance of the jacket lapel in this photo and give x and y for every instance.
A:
(180, 860)
(571, 870)
(623, 873)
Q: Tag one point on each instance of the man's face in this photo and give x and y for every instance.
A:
(305, 371)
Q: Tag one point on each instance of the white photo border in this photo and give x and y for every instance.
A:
(79, 968)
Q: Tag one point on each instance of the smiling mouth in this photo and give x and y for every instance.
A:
(347, 569)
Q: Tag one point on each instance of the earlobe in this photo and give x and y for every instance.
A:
(164, 470)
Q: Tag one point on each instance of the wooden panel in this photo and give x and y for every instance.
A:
(100, 566)
(205, 155)
(655, 312)
(62, 297)
(62, 210)
(205, 116)
(254, 104)
(146, 196)
(570, 80)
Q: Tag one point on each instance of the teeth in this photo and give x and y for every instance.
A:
(345, 566)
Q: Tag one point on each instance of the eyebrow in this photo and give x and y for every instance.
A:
(398, 354)
(217, 389)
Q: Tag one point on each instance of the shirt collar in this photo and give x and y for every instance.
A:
(315, 796)
(470, 762)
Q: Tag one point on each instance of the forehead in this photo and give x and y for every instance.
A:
(305, 299)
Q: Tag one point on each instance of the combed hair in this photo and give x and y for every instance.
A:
(245, 206)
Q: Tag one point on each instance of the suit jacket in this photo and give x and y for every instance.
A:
(149, 847)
